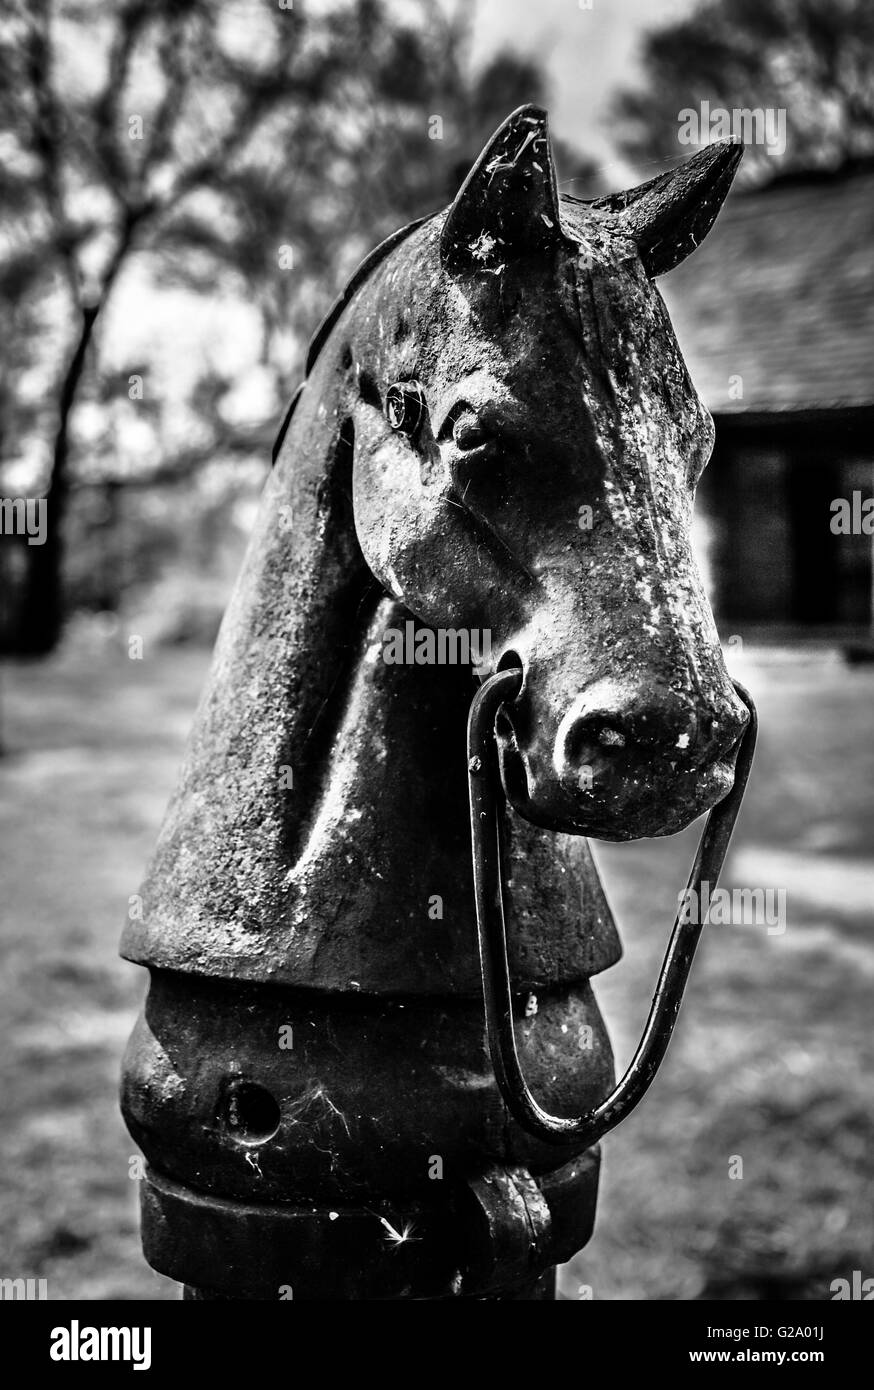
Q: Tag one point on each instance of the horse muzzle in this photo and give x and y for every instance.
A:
(617, 768)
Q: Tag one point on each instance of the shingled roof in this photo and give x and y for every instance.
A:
(781, 293)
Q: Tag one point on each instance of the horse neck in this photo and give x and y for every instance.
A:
(291, 634)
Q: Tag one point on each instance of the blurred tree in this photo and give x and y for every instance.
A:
(205, 138)
(407, 119)
(814, 59)
(113, 118)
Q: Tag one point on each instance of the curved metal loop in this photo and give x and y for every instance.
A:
(485, 813)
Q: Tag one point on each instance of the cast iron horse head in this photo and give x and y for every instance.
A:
(497, 433)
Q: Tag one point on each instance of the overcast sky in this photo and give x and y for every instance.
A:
(587, 53)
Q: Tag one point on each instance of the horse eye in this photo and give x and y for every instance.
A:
(405, 406)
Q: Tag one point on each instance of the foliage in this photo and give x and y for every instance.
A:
(812, 58)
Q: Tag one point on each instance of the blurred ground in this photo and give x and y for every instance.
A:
(772, 1062)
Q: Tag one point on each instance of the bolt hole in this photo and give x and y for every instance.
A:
(249, 1112)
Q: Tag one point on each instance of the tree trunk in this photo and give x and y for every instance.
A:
(42, 609)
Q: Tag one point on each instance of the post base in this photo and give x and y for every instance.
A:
(496, 1236)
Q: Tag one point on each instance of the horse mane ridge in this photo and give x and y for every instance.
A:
(322, 333)
(367, 266)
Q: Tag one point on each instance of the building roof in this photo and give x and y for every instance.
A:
(781, 293)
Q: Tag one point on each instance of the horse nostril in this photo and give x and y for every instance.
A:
(589, 740)
(249, 1112)
(727, 737)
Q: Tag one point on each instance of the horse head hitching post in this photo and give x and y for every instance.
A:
(338, 1094)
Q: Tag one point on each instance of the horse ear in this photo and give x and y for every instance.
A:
(508, 204)
(670, 215)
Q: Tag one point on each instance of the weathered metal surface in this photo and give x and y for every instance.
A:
(497, 434)
(368, 1094)
(340, 902)
(501, 1231)
(611, 623)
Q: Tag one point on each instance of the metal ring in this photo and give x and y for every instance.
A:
(485, 810)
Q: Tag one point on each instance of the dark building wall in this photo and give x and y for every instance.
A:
(767, 494)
